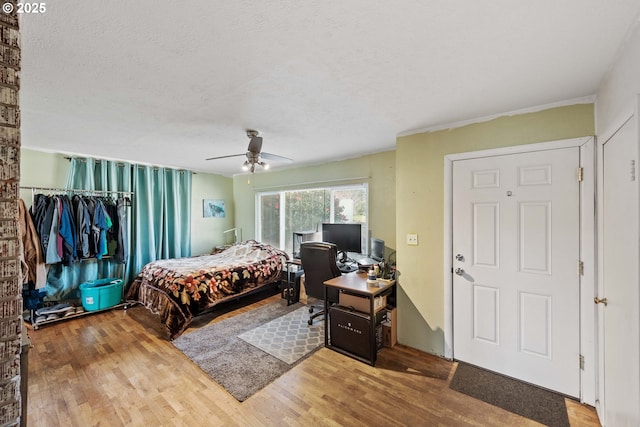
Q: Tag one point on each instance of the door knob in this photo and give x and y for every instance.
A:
(597, 300)
(459, 271)
(459, 257)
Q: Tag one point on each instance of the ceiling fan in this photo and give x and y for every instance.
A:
(254, 154)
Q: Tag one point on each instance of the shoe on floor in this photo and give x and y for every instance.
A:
(58, 308)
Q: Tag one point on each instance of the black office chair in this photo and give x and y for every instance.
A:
(319, 265)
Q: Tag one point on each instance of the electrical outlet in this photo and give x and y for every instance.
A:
(412, 239)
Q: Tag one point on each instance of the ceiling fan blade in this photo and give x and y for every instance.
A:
(226, 157)
(275, 157)
(255, 145)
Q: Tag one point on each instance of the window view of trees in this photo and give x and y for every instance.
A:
(306, 209)
(270, 219)
(286, 212)
(350, 205)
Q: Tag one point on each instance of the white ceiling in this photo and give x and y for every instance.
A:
(172, 83)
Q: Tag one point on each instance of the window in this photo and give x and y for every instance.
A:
(283, 212)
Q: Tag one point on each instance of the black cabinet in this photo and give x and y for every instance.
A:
(356, 330)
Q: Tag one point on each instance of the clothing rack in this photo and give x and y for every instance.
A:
(74, 190)
(126, 195)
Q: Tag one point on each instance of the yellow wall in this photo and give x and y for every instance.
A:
(420, 206)
(380, 168)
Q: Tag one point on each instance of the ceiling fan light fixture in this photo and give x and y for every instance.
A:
(254, 154)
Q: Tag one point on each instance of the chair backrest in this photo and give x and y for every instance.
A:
(319, 265)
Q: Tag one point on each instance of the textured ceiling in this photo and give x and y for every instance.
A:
(173, 83)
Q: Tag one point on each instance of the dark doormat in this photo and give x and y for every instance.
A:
(543, 406)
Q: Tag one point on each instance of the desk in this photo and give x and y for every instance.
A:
(355, 283)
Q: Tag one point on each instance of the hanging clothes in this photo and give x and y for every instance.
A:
(104, 227)
(67, 231)
(99, 225)
(83, 226)
(80, 227)
(52, 255)
(33, 270)
(121, 253)
(42, 214)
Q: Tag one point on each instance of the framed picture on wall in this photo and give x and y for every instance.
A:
(213, 208)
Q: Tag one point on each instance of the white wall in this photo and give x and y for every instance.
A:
(615, 99)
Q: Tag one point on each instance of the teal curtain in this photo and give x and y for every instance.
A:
(162, 214)
(158, 220)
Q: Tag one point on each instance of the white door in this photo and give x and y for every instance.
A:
(516, 240)
(620, 321)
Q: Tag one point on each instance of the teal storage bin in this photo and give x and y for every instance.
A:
(101, 294)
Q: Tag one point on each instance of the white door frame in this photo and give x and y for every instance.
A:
(603, 139)
(626, 115)
(587, 250)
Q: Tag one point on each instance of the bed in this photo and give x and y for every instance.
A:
(180, 289)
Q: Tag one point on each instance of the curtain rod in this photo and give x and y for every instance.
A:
(122, 163)
(328, 181)
(75, 190)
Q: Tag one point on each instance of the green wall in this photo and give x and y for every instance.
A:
(379, 169)
(41, 169)
(206, 233)
(50, 170)
(420, 206)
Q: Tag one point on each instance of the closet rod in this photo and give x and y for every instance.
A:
(72, 190)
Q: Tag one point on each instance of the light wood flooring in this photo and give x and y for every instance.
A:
(117, 368)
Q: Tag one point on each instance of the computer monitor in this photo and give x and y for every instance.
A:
(346, 237)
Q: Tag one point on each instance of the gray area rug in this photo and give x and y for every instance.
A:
(289, 337)
(241, 368)
(543, 406)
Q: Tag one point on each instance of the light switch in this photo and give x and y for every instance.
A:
(412, 239)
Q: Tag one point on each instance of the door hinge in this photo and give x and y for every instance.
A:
(580, 268)
(580, 174)
(581, 362)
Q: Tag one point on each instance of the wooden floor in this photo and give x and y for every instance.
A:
(117, 368)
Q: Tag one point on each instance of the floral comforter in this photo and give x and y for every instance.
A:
(181, 288)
